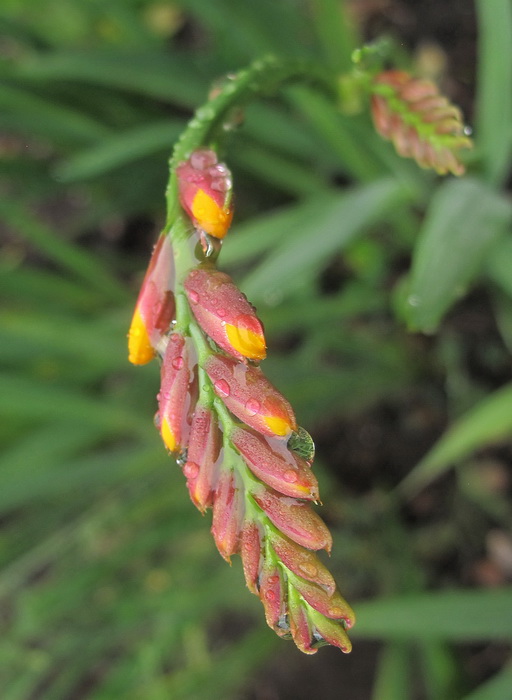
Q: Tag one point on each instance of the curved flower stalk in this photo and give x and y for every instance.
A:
(421, 123)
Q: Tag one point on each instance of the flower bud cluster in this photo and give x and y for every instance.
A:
(421, 123)
(233, 433)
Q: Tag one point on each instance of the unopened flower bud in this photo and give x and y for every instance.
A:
(279, 468)
(225, 314)
(250, 551)
(301, 561)
(300, 627)
(296, 519)
(272, 597)
(202, 465)
(178, 392)
(205, 191)
(228, 514)
(333, 606)
(250, 396)
(331, 631)
(155, 308)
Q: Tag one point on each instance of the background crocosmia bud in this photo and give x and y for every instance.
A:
(155, 307)
(330, 630)
(250, 396)
(302, 561)
(250, 551)
(228, 514)
(296, 519)
(224, 313)
(201, 467)
(272, 597)
(178, 392)
(285, 472)
(205, 191)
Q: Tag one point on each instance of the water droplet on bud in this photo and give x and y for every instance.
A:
(222, 388)
(252, 407)
(308, 569)
(270, 595)
(191, 470)
(177, 363)
(290, 476)
(193, 296)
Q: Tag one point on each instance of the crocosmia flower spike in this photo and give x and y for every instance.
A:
(233, 433)
(421, 123)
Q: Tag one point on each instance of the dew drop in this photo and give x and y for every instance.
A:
(413, 300)
(335, 611)
(193, 296)
(273, 580)
(221, 312)
(290, 476)
(222, 388)
(252, 407)
(467, 131)
(177, 362)
(157, 420)
(191, 470)
(181, 459)
(270, 595)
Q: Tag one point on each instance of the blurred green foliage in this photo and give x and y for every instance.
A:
(110, 586)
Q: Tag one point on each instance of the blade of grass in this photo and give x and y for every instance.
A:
(393, 679)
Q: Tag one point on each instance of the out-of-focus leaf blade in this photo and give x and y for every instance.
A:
(494, 97)
(463, 220)
(490, 420)
(393, 673)
(496, 688)
(459, 615)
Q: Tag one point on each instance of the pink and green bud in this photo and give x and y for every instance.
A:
(300, 627)
(279, 468)
(202, 465)
(155, 308)
(224, 313)
(250, 396)
(333, 606)
(178, 393)
(296, 519)
(331, 631)
(205, 192)
(272, 596)
(228, 514)
(251, 553)
(301, 561)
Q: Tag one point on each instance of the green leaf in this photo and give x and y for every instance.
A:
(489, 421)
(120, 150)
(497, 688)
(463, 220)
(393, 679)
(498, 264)
(457, 615)
(494, 97)
(305, 249)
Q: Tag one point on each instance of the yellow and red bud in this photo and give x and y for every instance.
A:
(250, 396)
(155, 308)
(295, 518)
(205, 192)
(178, 392)
(202, 465)
(333, 606)
(301, 561)
(300, 628)
(228, 514)
(251, 553)
(277, 467)
(224, 313)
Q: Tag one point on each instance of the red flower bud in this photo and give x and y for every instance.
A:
(333, 606)
(225, 314)
(178, 393)
(301, 561)
(155, 306)
(295, 519)
(202, 465)
(205, 191)
(250, 551)
(331, 631)
(250, 396)
(228, 514)
(272, 597)
(277, 467)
